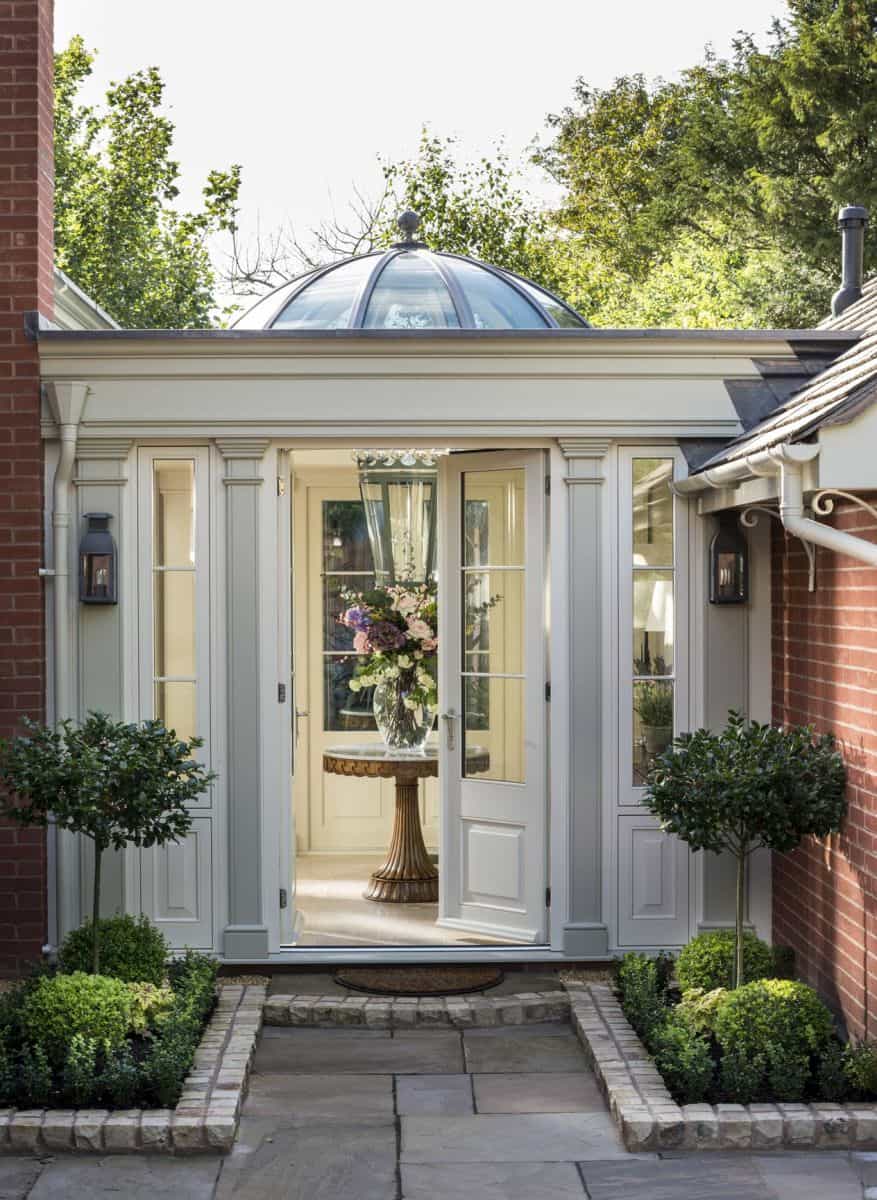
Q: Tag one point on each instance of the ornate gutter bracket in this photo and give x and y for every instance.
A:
(749, 518)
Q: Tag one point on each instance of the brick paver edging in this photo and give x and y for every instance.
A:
(649, 1119)
(395, 1012)
(205, 1118)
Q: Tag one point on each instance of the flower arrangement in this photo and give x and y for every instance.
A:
(394, 628)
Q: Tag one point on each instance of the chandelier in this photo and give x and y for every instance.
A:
(398, 489)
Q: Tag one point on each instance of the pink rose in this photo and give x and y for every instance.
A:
(428, 645)
(360, 642)
(419, 629)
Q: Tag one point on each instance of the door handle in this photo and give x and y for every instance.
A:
(449, 718)
(299, 713)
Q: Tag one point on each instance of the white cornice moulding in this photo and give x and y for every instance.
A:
(242, 447)
(90, 447)
(584, 447)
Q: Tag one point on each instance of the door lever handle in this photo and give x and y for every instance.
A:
(449, 718)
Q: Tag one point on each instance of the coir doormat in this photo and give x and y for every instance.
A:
(418, 981)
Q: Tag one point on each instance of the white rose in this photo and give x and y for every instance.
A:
(404, 661)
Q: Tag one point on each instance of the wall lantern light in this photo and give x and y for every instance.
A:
(398, 489)
(97, 561)
(729, 563)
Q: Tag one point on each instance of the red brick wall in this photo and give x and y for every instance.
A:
(825, 674)
(26, 253)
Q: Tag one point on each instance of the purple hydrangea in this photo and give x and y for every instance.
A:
(383, 635)
(357, 618)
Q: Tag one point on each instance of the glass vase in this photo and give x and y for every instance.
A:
(403, 729)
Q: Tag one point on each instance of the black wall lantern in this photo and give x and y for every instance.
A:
(97, 561)
(729, 563)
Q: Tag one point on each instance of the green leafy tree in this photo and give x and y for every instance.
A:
(710, 200)
(749, 786)
(118, 232)
(116, 783)
(476, 208)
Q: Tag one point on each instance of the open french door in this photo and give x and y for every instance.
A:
(493, 753)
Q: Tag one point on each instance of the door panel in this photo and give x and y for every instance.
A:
(492, 667)
(652, 883)
(177, 887)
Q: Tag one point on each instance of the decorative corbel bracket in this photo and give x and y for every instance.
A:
(823, 504)
(749, 518)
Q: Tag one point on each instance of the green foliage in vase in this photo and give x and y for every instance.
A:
(748, 786)
(118, 784)
(653, 703)
(119, 233)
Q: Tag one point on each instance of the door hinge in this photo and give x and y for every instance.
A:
(547, 485)
(284, 899)
(548, 897)
(281, 486)
(281, 693)
(548, 693)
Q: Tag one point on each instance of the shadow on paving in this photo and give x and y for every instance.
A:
(490, 1114)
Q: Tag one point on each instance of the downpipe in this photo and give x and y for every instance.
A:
(68, 402)
(794, 521)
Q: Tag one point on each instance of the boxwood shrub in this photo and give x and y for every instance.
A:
(708, 960)
(60, 1007)
(87, 1040)
(131, 948)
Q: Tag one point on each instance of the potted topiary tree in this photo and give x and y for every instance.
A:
(113, 782)
(748, 786)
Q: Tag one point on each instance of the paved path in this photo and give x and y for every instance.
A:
(504, 1114)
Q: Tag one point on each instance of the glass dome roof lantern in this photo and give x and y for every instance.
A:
(410, 286)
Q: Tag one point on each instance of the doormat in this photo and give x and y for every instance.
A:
(419, 981)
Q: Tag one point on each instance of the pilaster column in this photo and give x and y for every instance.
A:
(246, 935)
(101, 679)
(585, 934)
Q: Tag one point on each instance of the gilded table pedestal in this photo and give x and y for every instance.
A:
(408, 876)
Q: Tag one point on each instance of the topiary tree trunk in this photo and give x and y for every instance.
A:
(750, 785)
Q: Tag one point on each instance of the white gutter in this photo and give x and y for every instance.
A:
(786, 461)
(68, 402)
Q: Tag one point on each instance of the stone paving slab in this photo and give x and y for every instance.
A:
(312, 1051)
(129, 1177)
(329, 1010)
(436, 1094)
(545, 1091)
(828, 1176)
(492, 1181)
(535, 1137)
(530, 1052)
(676, 1179)
(331, 1160)
(298, 1098)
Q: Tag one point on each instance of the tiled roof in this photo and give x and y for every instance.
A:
(861, 316)
(837, 394)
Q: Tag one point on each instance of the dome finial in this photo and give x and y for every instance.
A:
(408, 223)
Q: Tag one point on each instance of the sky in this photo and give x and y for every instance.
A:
(306, 95)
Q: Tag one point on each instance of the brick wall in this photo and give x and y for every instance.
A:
(26, 253)
(825, 674)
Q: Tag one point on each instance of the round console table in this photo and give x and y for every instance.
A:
(407, 876)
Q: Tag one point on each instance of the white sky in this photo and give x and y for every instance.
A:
(305, 95)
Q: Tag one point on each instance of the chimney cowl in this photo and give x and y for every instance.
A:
(851, 220)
